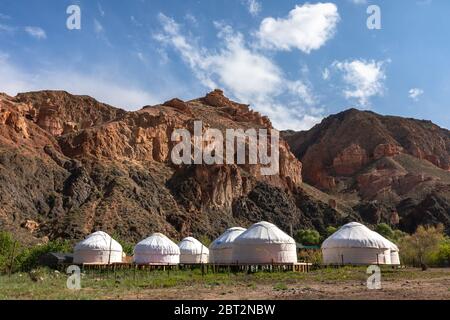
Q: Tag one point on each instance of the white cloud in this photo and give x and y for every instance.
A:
(253, 7)
(98, 27)
(415, 93)
(36, 32)
(100, 9)
(358, 1)
(121, 94)
(4, 16)
(363, 79)
(247, 75)
(306, 28)
(326, 74)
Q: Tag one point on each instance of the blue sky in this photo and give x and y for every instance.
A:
(294, 61)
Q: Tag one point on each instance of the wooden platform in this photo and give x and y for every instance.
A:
(206, 267)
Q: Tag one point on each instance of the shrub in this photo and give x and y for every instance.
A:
(205, 240)
(28, 258)
(443, 254)
(421, 248)
(9, 249)
(309, 237)
(311, 256)
(127, 247)
(331, 230)
(385, 230)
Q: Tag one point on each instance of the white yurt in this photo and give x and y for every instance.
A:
(356, 244)
(98, 248)
(221, 249)
(193, 251)
(395, 254)
(157, 249)
(264, 243)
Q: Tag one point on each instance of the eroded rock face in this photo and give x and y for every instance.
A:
(378, 162)
(92, 166)
(386, 150)
(350, 160)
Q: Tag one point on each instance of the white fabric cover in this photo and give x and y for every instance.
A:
(354, 243)
(264, 243)
(98, 248)
(157, 249)
(193, 251)
(355, 256)
(221, 249)
(395, 258)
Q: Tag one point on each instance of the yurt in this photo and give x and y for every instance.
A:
(356, 244)
(157, 249)
(264, 243)
(98, 248)
(395, 254)
(220, 250)
(193, 251)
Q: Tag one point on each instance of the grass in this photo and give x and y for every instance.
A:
(126, 283)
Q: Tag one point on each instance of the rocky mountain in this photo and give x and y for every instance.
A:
(70, 165)
(388, 169)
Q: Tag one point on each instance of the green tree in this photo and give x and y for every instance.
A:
(127, 246)
(308, 237)
(29, 257)
(9, 250)
(331, 230)
(385, 230)
(421, 247)
(443, 254)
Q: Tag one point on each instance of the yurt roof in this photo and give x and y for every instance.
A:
(192, 246)
(263, 233)
(356, 235)
(98, 241)
(227, 238)
(157, 243)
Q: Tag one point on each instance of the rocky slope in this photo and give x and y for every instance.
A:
(387, 168)
(70, 165)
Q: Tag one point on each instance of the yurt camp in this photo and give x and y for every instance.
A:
(193, 251)
(157, 250)
(264, 243)
(98, 248)
(221, 249)
(356, 244)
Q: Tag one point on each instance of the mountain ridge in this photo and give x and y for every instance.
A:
(70, 165)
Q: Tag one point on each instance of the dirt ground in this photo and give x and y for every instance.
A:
(430, 285)
(325, 284)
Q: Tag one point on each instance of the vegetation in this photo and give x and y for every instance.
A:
(331, 230)
(127, 247)
(15, 257)
(424, 247)
(308, 237)
(386, 231)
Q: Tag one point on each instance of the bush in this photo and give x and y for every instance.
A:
(385, 230)
(205, 240)
(422, 248)
(9, 249)
(29, 257)
(311, 256)
(443, 254)
(331, 230)
(309, 237)
(127, 247)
